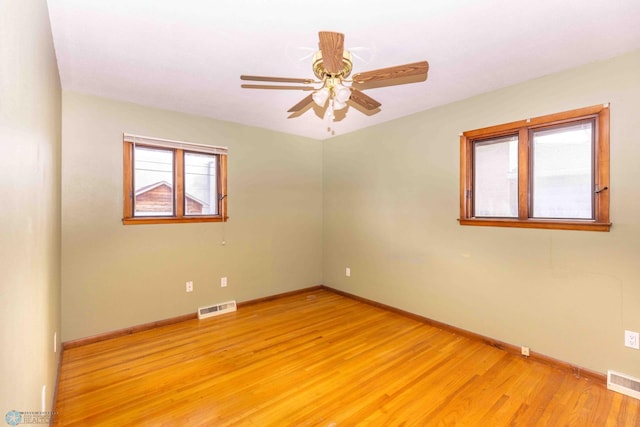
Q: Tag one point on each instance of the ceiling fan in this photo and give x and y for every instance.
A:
(332, 66)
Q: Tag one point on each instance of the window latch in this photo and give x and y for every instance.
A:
(600, 190)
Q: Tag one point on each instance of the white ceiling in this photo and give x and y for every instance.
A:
(187, 55)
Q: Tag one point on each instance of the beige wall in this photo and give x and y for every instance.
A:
(391, 199)
(115, 276)
(30, 117)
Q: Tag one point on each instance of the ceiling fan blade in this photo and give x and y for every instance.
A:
(363, 100)
(399, 71)
(279, 87)
(373, 84)
(300, 105)
(276, 79)
(332, 48)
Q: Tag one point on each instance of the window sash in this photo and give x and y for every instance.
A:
(536, 175)
(153, 185)
(485, 202)
(211, 197)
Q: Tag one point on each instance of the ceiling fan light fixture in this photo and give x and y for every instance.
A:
(342, 93)
(338, 105)
(320, 96)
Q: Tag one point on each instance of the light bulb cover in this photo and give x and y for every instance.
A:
(342, 93)
(338, 105)
(320, 96)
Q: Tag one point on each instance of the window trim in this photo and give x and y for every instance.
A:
(600, 113)
(179, 148)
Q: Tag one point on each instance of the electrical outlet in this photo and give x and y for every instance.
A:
(189, 286)
(524, 351)
(347, 272)
(632, 339)
(223, 282)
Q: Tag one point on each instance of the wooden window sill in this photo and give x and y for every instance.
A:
(537, 223)
(166, 220)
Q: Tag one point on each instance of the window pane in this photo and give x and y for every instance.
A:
(200, 184)
(153, 182)
(563, 172)
(496, 177)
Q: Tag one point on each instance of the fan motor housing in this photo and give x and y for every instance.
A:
(321, 73)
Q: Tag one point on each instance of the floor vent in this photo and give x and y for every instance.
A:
(623, 384)
(214, 310)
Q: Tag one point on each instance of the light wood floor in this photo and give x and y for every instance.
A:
(320, 359)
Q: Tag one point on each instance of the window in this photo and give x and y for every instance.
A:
(545, 172)
(169, 181)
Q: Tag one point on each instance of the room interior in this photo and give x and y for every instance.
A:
(379, 195)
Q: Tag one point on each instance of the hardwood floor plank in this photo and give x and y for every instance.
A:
(320, 359)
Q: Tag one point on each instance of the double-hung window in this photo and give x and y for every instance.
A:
(167, 181)
(544, 172)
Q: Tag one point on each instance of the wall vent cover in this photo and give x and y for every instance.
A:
(623, 383)
(216, 309)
